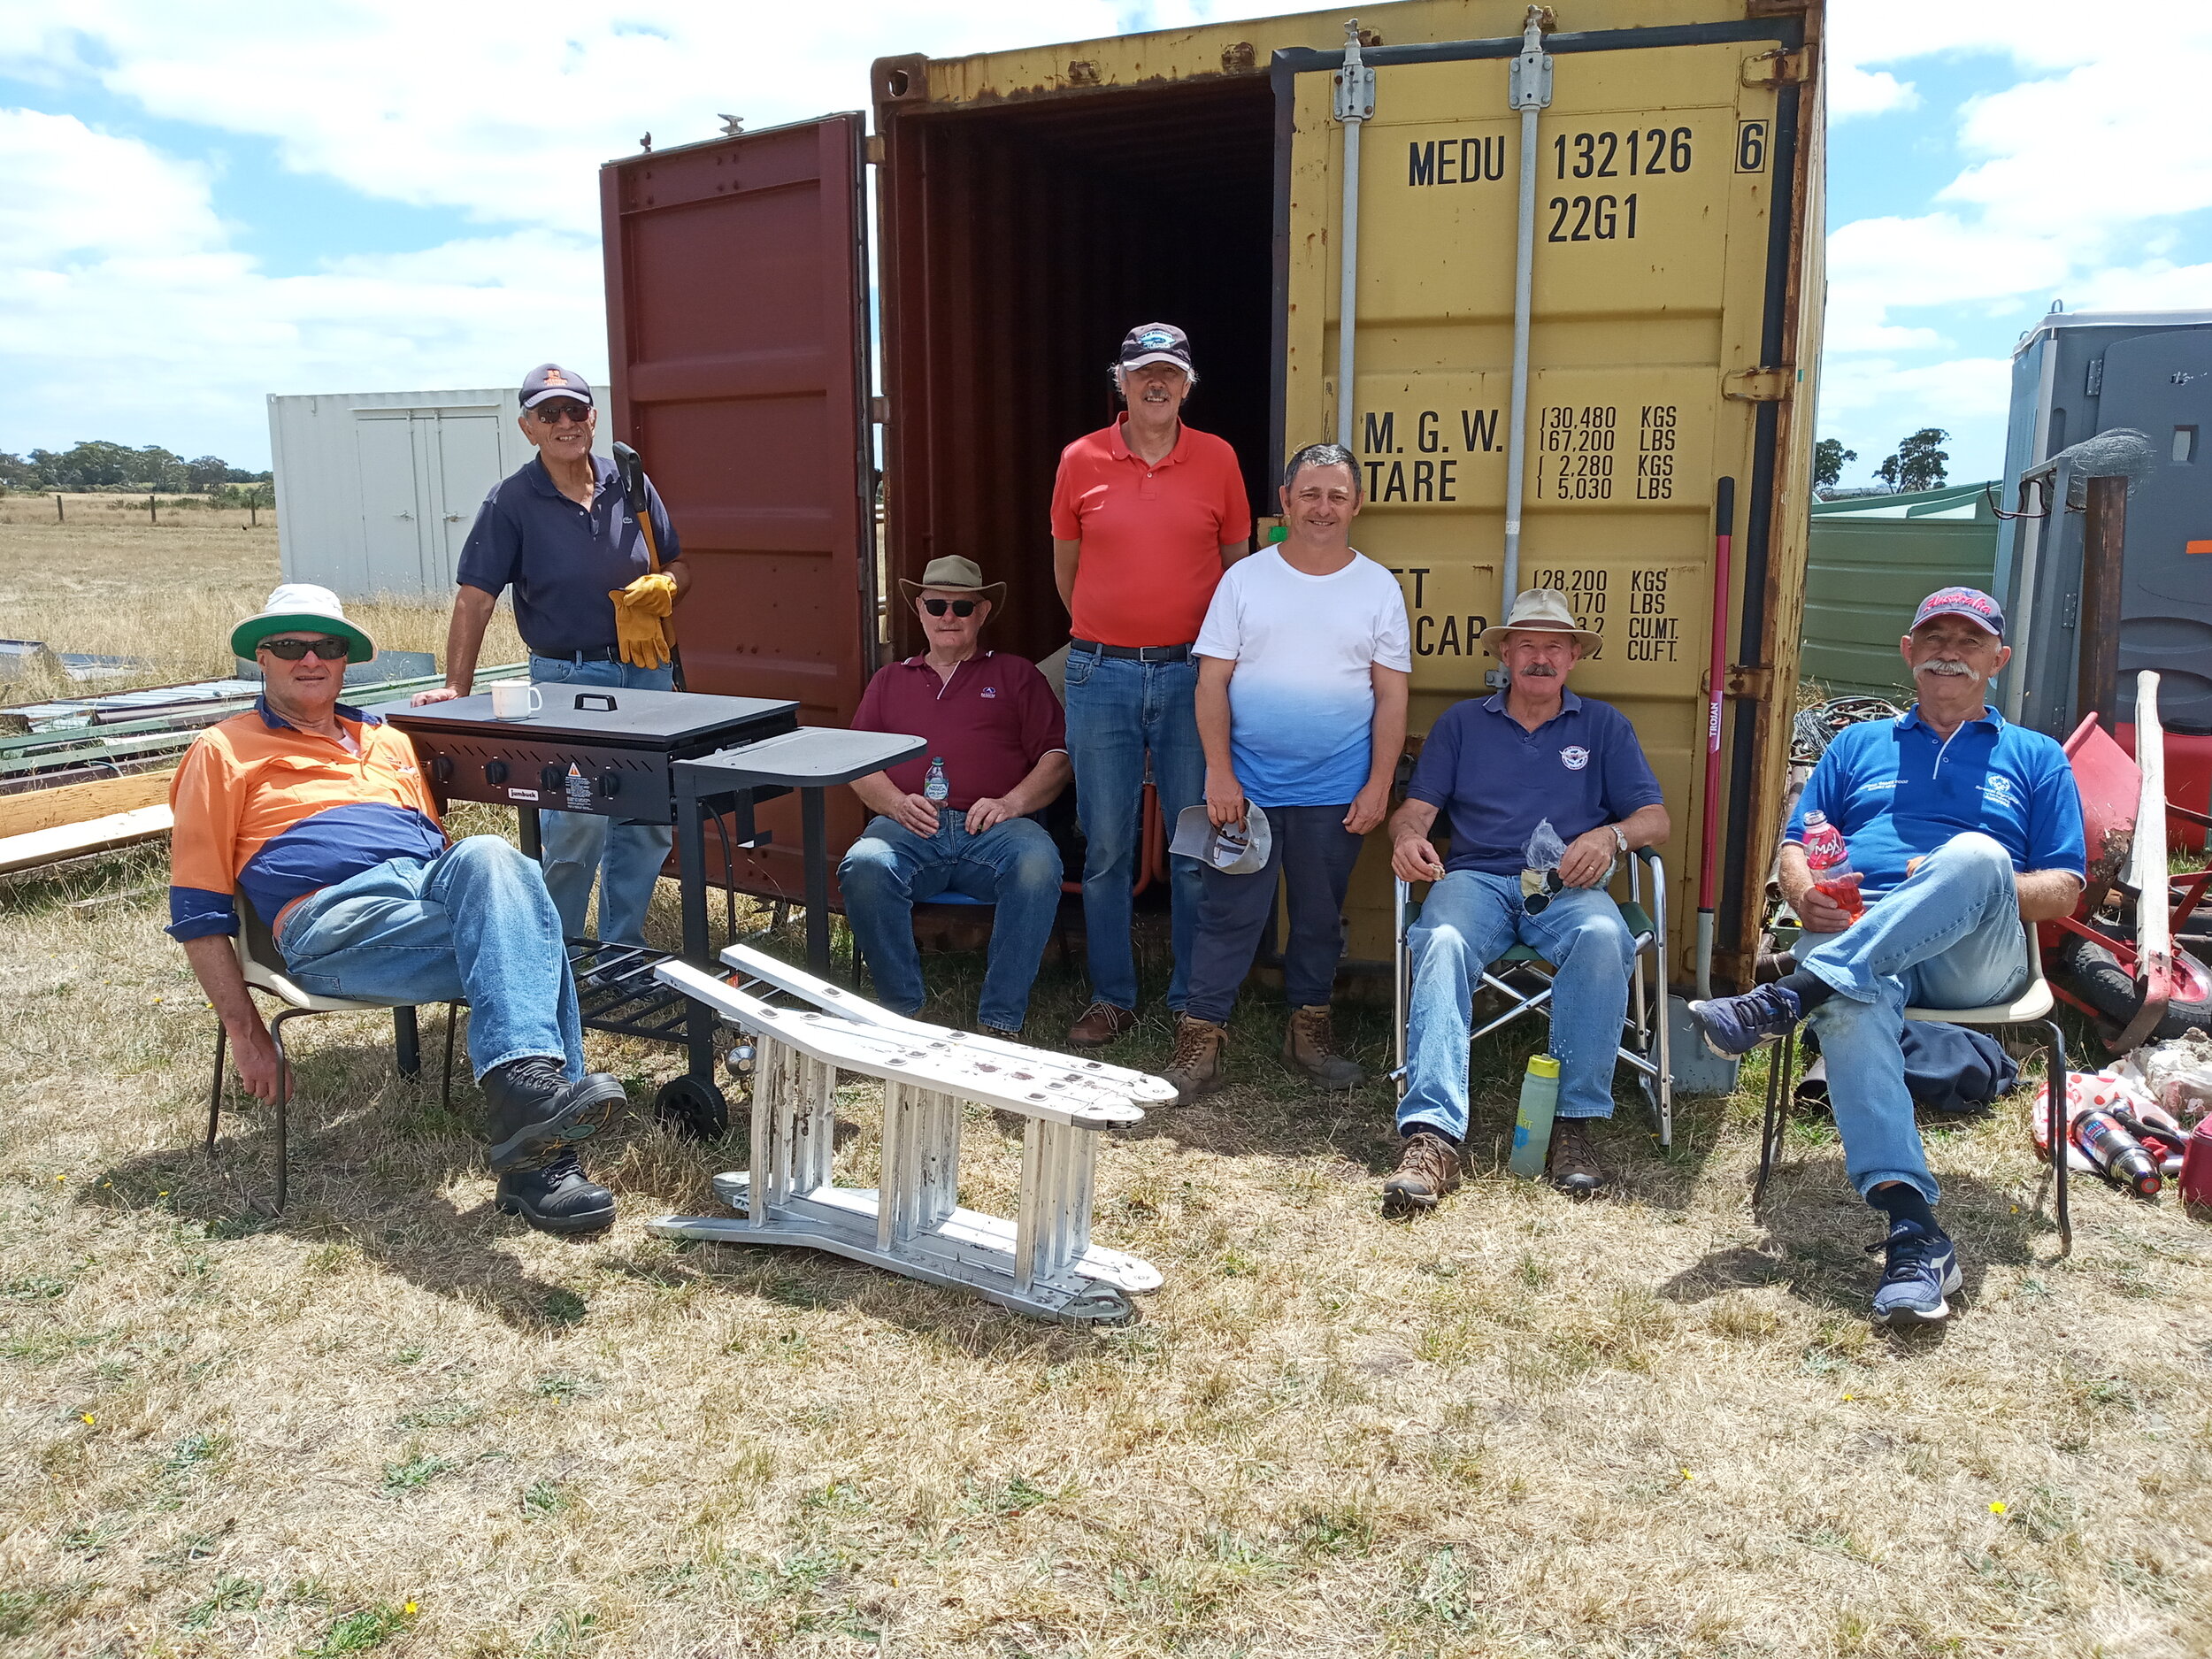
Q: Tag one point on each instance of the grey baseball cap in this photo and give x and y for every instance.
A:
(551, 379)
(1232, 852)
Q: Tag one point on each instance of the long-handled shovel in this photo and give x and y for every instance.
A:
(631, 470)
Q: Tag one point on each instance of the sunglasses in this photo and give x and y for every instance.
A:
(958, 607)
(553, 414)
(329, 650)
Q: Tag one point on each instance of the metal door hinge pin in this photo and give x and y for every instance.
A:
(1528, 83)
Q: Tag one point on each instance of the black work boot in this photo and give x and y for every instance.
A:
(530, 1110)
(556, 1196)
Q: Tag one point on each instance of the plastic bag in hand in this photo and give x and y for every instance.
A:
(1545, 850)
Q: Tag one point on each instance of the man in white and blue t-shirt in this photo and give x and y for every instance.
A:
(1304, 664)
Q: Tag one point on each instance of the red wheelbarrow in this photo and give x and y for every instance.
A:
(2120, 956)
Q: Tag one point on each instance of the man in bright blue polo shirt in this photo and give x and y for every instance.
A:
(587, 603)
(1497, 767)
(1962, 827)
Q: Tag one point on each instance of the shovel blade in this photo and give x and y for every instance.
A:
(1696, 1069)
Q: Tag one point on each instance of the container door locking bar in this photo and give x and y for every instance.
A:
(1355, 104)
(1528, 90)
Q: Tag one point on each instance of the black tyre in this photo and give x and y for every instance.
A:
(693, 1110)
(2093, 974)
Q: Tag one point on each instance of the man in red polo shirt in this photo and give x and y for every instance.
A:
(955, 819)
(1146, 515)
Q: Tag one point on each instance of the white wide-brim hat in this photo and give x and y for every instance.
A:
(297, 606)
(1545, 608)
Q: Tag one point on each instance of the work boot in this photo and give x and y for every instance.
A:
(556, 1196)
(1101, 1024)
(1196, 1066)
(1574, 1165)
(1309, 1044)
(1000, 1031)
(1428, 1168)
(530, 1110)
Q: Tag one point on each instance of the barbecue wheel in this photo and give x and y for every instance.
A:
(693, 1110)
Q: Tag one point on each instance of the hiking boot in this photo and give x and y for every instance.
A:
(1573, 1164)
(530, 1110)
(1000, 1031)
(1428, 1168)
(1196, 1066)
(1734, 1026)
(1101, 1024)
(1919, 1274)
(556, 1196)
(1310, 1045)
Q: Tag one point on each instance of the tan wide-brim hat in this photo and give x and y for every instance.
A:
(955, 575)
(1539, 608)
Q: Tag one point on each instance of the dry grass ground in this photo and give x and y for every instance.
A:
(108, 582)
(393, 1420)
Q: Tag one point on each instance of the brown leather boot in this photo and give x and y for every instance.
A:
(1101, 1024)
(1575, 1168)
(1195, 1067)
(1309, 1044)
(1428, 1168)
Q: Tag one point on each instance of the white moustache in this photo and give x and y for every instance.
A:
(1540, 670)
(1944, 665)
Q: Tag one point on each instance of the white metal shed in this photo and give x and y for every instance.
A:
(375, 491)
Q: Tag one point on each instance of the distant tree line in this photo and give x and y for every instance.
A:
(1919, 463)
(116, 467)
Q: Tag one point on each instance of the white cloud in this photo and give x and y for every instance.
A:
(66, 183)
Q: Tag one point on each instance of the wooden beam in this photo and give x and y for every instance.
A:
(36, 809)
(73, 841)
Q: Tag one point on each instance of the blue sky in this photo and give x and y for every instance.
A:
(208, 204)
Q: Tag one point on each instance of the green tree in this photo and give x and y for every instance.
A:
(18, 473)
(1919, 464)
(1829, 455)
(206, 473)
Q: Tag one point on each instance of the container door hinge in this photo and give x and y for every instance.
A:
(1781, 69)
(1355, 82)
(875, 149)
(1757, 684)
(1528, 79)
(880, 411)
(1757, 386)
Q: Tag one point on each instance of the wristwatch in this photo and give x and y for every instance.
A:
(1620, 838)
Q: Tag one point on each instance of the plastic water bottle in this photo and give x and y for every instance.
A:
(936, 787)
(1829, 860)
(1531, 1128)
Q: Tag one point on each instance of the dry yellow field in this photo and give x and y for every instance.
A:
(394, 1421)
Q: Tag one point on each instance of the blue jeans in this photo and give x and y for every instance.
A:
(472, 925)
(1949, 935)
(1469, 921)
(1118, 709)
(624, 855)
(1012, 865)
(1308, 848)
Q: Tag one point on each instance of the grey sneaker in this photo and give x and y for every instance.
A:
(1919, 1273)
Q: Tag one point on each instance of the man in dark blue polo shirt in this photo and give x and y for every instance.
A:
(1961, 827)
(1497, 767)
(560, 532)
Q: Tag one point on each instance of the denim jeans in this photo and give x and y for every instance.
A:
(472, 925)
(1469, 921)
(1949, 935)
(1309, 848)
(624, 855)
(1013, 865)
(1117, 709)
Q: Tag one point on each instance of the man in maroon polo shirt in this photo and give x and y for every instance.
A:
(955, 819)
(1146, 515)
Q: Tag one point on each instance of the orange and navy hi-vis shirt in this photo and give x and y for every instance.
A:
(264, 809)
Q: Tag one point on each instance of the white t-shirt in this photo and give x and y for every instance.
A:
(1302, 703)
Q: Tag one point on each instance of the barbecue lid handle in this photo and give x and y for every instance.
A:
(602, 699)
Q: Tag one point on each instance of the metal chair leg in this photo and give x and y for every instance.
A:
(2061, 1132)
(1780, 1072)
(445, 1086)
(407, 1042)
(283, 1104)
(215, 1093)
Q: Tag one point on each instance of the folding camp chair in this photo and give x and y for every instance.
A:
(264, 966)
(1524, 978)
(2032, 1006)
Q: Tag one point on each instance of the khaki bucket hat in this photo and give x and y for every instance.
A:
(1538, 608)
(955, 575)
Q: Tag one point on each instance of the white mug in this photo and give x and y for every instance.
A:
(516, 700)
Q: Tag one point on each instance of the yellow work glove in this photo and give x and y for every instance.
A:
(653, 595)
(638, 636)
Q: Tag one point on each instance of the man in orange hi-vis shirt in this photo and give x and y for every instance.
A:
(316, 814)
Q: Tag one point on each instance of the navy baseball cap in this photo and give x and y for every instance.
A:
(1157, 342)
(551, 379)
(1962, 602)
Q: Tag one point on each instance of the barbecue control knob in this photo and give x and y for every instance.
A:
(550, 777)
(440, 769)
(607, 783)
(494, 772)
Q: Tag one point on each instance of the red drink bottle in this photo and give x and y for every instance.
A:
(1829, 860)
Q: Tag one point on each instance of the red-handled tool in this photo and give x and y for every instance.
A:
(1724, 541)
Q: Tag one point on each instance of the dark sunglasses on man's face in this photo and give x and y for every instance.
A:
(553, 414)
(329, 650)
(958, 607)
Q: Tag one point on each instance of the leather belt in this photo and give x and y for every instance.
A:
(596, 654)
(1134, 653)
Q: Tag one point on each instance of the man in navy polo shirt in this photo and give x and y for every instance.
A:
(1496, 768)
(1962, 827)
(956, 817)
(560, 532)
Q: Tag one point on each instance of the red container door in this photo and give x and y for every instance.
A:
(737, 277)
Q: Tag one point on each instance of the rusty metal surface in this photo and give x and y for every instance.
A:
(736, 295)
(1020, 242)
